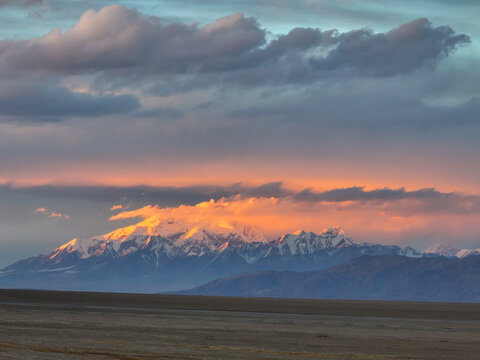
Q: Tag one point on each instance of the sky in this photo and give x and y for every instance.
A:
(288, 114)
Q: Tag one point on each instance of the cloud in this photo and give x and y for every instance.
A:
(411, 46)
(360, 194)
(49, 102)
(121, 206)
(263, 213)
(144, 213)
(129, 62)
(164, 195)
(395, 202)
(374, 104)
(117, 39)
(21, 3)
(51, 214)
(399, 201)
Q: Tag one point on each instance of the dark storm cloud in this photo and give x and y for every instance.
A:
(46, 102)
(164, 195)
(116, 38)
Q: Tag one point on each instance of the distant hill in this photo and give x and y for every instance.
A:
(364, 278)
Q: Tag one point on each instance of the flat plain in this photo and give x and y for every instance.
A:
(79, 325)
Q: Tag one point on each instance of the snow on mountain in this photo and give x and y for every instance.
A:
(174, 238)
(169, 236)
(302, 242)
(449, 251)
(442, 250)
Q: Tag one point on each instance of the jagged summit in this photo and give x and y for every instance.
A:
(328, 231)
(442, 249)
(177, 237)
(177, 233)
(183, 230)
(306, 242)
(156, 226)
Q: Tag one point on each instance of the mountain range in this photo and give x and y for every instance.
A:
(159, 255)
(364, 278)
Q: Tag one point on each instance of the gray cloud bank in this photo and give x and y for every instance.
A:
(54, 102)
(428, 200)
(120, 38)
(401, 50)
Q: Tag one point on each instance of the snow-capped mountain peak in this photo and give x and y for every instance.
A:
(302, 242)
(84, 248)
(178, 238)
(449, 251)
(442, 250)
(150, 226)
(170, 236)
(194, 230)
(174, 238)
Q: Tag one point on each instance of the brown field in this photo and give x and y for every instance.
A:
(71, 325)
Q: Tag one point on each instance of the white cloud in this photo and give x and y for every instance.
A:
(51, 214)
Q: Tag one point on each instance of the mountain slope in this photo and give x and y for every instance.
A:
(364, 278)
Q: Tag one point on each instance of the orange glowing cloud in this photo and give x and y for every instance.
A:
(51, 214)
(223, 213)
(365, 221)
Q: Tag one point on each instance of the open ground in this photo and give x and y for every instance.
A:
(74, 325)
